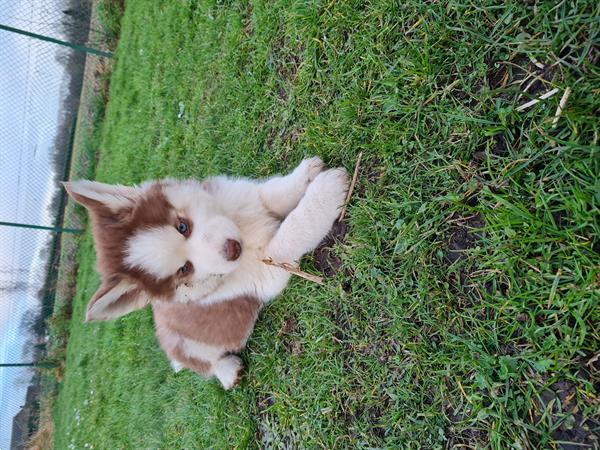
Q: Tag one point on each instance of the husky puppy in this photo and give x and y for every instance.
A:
(194, 250)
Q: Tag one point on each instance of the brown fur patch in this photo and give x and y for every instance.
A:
(226, 324)
(112, 230)
(197, 365)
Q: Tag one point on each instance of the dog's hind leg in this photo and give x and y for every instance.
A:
(282, 194)
(176, 366)
(182, 359)
(205, 360)
(306, 226)
(228, 370)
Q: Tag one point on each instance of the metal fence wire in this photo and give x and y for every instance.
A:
(44, 46)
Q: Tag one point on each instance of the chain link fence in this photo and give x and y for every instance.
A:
(50, 51)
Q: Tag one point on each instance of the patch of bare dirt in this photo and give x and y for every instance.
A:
(460, 435)
(528, 76)
(247, 20)
(383, 350)
(287, 334)
(372, 171)
(287, 135)
(375, 415)
(464, 234)
(325, 258)
(352, 411)
(575, 431)
(500, 148)
(286, 63)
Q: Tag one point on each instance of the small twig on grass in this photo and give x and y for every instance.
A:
(294, 270)
(561, 105)
(352, 184)
(545, 96)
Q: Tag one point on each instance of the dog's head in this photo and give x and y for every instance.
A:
(153, 238)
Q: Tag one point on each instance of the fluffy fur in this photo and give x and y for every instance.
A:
(194, 251)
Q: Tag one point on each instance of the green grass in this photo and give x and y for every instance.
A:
(86, 140)
(435, 332)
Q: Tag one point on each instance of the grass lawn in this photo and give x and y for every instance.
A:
(461, 306)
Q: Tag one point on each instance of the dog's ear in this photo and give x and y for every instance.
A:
(114, 299)
(94, 195)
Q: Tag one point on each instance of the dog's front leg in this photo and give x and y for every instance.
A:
(281, 194)
(306, 226)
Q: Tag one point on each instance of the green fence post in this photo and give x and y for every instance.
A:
(82, 48)
(42, 365)
(40, 227)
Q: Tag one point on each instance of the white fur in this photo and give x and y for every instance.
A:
(200, 350)
(281, 218)
(176, 366)
(211, 228)
(247, 210)
(294, 184)
(227, 370)
(160, 251)
(264, 236)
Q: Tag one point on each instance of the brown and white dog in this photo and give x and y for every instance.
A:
(194, 251)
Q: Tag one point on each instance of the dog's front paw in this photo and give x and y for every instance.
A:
(331, 187)
(228, 371)
(308, 169)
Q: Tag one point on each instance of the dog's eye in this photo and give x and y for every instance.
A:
(183, 227)
(185, 269)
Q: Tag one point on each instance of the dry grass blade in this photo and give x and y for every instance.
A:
(352, 185)
(545, 96)
(561, 105)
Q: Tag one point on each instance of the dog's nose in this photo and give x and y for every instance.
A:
(233, 249)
